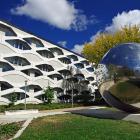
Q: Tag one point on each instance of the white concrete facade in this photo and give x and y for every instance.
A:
(24, 56)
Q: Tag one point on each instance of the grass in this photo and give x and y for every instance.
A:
(8, 130)
(37, 106)
(76, 127)
(127, 91)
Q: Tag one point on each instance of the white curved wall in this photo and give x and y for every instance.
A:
(5, 50)
(56, 64)
(17, 79)
(33, 58)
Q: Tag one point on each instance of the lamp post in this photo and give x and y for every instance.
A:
(25, 94)
(72, 98)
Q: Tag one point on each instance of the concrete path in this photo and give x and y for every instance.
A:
(108, 114)
(17, 118)
(19, 132)
(133, 117)
(92, 111)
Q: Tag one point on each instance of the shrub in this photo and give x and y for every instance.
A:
(49, 94)
(8, 130)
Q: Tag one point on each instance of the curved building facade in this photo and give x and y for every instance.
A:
(26, 57)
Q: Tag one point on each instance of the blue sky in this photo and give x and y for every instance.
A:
(70, 22)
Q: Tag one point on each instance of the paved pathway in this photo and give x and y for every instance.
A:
(108, 114)
(16, 118)
(93, 111)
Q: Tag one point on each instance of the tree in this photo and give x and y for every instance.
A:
(13, 98)
(67, 83)
(94, 51)
(49, 94)
(73, 86)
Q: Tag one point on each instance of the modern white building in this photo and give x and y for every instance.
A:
(26, 57)
(101, 73)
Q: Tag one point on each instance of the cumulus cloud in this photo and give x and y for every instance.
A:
(59, 13)
(62, 43)
(129, 18)
(78, 48)
(93, 38)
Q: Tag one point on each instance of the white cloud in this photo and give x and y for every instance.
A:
(81, 22)
(62, 43)
(59, 13)
(78, 48)
(93, 38)
(129, 18)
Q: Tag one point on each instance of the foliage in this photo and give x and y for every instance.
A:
(49, 94)
(73, 85)
(66, 85)
(94, 51)
(38, 106)
(78, 127)
(84, 98)
(13, 99)
(8, 130)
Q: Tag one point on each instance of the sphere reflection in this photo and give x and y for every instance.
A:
(118, 75)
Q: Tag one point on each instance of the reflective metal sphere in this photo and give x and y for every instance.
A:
(118, 76)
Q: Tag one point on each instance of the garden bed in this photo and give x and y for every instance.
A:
(9, 130)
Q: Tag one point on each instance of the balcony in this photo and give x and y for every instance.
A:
(32, 72)
(65, 72)
(56, 51)
(73, 57)
(46, 53)
(34, 42)
(55, 77)
(32, 88)
(5, 67)
(45, 67)
(85, 62)
(79, 76)
(18, 95)
(6, 30)
(17, 61)
(90, 69)
(90, 79)
(5, 85)
(19, 44)
(79, 65)
(65, 60)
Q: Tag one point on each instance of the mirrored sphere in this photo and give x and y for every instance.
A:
(118, 77)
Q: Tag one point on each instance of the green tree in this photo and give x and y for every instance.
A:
(13, 98)
(49, 94)
(94, 51)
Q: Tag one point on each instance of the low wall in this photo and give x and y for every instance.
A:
(21, 112)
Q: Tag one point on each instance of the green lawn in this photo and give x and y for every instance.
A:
(9, 130)
(76, 127)
(37, 106)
